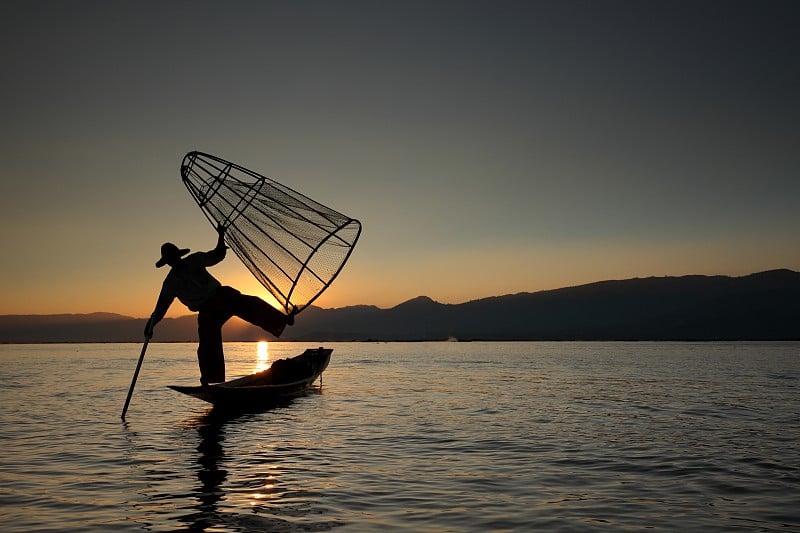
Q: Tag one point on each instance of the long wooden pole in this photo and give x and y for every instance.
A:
(135, 375)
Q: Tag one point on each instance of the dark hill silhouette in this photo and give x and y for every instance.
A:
(758, 306)
(763, 306)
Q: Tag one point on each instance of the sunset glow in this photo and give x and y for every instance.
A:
(262, 356)
(545, 254)
(505, 148)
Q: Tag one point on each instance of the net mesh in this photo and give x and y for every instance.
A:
(293, 245)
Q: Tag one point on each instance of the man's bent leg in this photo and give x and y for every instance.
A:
(260, 313)
(209, 351)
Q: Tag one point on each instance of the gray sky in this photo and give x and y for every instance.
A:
(487, 147)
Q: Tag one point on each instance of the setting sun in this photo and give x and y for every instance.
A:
(262, 356)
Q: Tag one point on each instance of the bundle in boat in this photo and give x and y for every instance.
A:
(292, 244)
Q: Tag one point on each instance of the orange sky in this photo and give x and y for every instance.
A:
(480, 273)
(486, 148)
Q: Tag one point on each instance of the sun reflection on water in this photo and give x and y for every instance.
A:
(262, 356)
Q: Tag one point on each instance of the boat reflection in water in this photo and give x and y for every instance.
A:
(232, 478)
(210, 474)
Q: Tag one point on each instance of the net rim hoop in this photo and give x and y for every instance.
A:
(338, 270)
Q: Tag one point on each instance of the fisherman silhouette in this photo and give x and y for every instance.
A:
(190, 282)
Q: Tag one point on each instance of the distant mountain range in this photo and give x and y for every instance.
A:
(763, 306)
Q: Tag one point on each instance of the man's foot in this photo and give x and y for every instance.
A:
(290, 316)
(288, 321)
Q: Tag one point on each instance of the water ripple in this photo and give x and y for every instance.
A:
(410, 437)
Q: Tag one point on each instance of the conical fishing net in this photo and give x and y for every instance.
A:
(293, 245)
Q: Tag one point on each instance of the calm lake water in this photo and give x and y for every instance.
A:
(408, 437)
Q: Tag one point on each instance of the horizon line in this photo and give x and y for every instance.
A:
(773, 270)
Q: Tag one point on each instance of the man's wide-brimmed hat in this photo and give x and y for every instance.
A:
(169, 252)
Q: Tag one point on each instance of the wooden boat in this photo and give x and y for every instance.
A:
(285, 379)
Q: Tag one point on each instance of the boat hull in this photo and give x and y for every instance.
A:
(285, 379)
